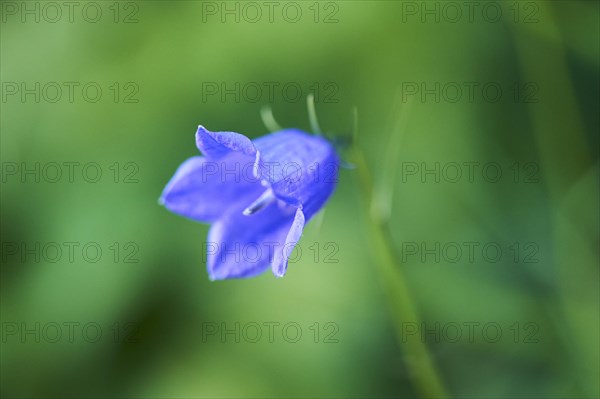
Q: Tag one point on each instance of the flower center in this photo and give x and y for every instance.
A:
(265, 199)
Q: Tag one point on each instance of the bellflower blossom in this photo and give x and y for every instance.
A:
(258, 195)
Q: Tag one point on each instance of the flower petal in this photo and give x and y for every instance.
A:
(302, 169)
(216, 145)
(204, 190)
(280, 261)
(244, 246)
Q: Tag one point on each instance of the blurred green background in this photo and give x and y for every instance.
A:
(140, 329)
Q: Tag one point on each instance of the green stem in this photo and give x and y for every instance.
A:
(426, 379)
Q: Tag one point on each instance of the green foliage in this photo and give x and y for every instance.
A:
(156, 314)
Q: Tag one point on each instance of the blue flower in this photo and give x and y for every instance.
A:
(258, 195)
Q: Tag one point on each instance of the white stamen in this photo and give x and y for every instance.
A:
(265, 199)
